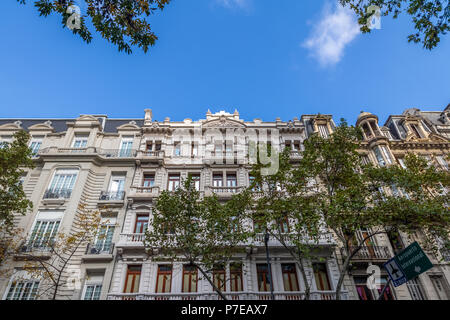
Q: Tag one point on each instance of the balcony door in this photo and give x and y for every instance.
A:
(141, 223)
(116, 187)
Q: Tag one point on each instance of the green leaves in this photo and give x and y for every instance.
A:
(430, 17)
(121, 22)
(14, 157)
(188, 226)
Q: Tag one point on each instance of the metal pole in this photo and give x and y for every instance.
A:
(266, 240)
(384, 290)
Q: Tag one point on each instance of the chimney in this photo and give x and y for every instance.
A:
(148, 117)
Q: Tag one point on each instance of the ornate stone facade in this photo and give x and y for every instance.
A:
(126, 163)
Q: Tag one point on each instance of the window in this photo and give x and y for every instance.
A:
(379, 156)
(149, 180)
(263, 277)
(44, 230)
(35, 145)
(415, 289)
(177, 149)
(62, 184)
(149, 146)
(80, 141)
(103, 242)
(194, 149)
(396, 241)
(364, 293)
(164, 279)
(196, 181)
(92, 291)
(236, 283)
(283, 223)
(323, 130)
(189, 279)
(141, 223)
(321, 277)
(219, 278)
(23, 290)
(132, 279)
(415, 130)
(442, 162)
(125, 147)
(289, 277)
(174, 182)
(116, 187)
(158, 146)
(217, 180)
(439, 285)
(231, 180)
(402, 163)
(386, 154)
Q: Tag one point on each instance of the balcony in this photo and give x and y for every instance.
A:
(106, 153)
(143, 193)
(370, 253)
(325, 239)
(56, 197)
(112, 198)
(99, 252)
(315, 295)
(151, 155)
(34, 250)
(223, 192)
(117, 153)
(131, 240)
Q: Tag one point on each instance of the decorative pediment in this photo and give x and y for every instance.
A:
(131, 126)
(223, 122)
(11, 126)
(45, 126)
(86, 117)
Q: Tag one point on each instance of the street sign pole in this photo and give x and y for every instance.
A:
(384, 290)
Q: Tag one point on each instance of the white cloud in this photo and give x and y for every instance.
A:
(329, 37)
(234, 3)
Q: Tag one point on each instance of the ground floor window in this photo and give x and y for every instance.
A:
(23, 290)
(321, 277)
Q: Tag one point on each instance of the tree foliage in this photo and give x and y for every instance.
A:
(15, 156)
(198, 230)
(283, 204)
(431, 18)
(356, 196)
(124, 23)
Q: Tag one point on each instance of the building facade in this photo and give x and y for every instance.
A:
(119, 166)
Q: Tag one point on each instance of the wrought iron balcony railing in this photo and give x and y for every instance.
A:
(112, 195)
(99, 248)
(58, 194)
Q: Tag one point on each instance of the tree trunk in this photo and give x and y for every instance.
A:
(305, 279)
(219, 292)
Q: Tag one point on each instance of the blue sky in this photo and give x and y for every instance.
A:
(265, 58)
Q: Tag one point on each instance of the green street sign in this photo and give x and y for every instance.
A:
(408, 264)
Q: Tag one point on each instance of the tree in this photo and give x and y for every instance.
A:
(58, 269)
(15, 156)
(201, 231)
(121, 22)
(283, 205)
(355, 196)
(430, 17)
